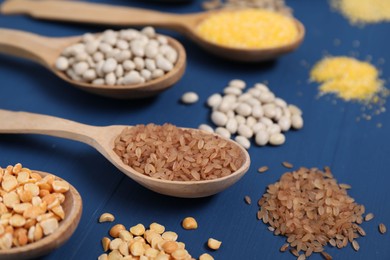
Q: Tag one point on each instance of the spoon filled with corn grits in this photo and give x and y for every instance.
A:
(248, 35)
(180, 162)
(123, 64)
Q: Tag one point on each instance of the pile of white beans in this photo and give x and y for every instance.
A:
(118, 57)
(256, 113)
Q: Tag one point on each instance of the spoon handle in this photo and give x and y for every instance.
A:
(26, 45)
(73, 11)
(30, 123)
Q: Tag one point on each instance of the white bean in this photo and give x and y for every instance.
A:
(244, 130)
(171, 55)
(262, 137)
(137, 48)
(278, 113)
(232, 125)
(62, 63)
(88, 37)
(206, 128)
(284, 123)
(237, 83)
(230, 114)
(98, 81)
(105, 47)
(151, 50)
(250, 121)
(149, 31)
(253, 102)
(254, 92)
(119, 71)
(267, 97)
(110, 79)
(91, 47)
(223, 132)
(157, 73)
(214, 100)
(162, 39)
(244, 97)
(277, 139)
(163, 63)
(280, 102)
(122, 45)
(146, 74)
(269, 110)
(258, 126)
(296, 121)
(266, 121)
(232, 91)
(257, 111)
(89, 75)
(240, 119)
(128, 65)
(123, 56)
(109, 65)
(225, 106)
(295, 110)
(132, 77)
(219, 118)
(261, 87)
(98, 56)
(273, 129)
(80, 67)
(243, 141)
(139, 63)
(150, 64)
(189, 98)
(244, 109)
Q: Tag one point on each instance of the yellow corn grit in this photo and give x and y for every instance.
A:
(364, 11)
(348, 78)
(248, 28)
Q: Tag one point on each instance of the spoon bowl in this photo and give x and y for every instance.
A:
(186, 24)
(103, 138)
(45, 51)
(73, 208)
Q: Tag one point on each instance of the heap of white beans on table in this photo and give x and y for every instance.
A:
(256, 113)
(118, 57)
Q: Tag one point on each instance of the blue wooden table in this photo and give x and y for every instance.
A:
(357, 152)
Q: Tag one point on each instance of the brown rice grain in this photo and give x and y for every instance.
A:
(326, 256)
(382, 228)
(369, 216)
(247, 200)
(287, 165)
(284, 247)
(263, 169)
(355, 245)
(294, 252)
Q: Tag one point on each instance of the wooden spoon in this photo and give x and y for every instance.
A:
(73, 11)
(102, 139)
(73, 208)
(45, 51)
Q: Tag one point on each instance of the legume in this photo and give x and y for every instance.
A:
(118, 57)
(30, 205)
(255, 113)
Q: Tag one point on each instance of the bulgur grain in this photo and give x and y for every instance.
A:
(287, 165)
(247, 200)
(369, 216)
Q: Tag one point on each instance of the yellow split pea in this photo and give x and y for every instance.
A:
(248, 28)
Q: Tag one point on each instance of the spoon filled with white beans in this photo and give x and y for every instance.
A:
(187, 24)
(175, 167)
(121, 64)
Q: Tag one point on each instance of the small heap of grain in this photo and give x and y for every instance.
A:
(271, 5)
(171, 153)
(312, 210)
(363, 11)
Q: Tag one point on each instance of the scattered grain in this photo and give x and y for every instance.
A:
(355, 245)
(326, 255)
(247, 200)
(263, 169)
(369, 216)
(284, 247)
(287, 165)
(382, 228)
(311, 209)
